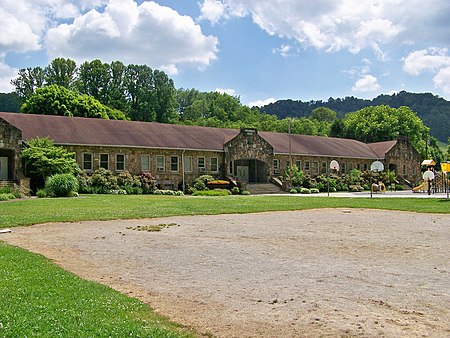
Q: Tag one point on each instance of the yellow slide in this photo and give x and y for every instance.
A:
(422, 187)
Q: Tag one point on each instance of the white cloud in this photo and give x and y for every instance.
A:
(260, 103)
(212, 10)
(368, 83)
(228, 91)
(424, 60)
(432, 60)
(334, 25)
(6, 74)
(145, 34)
(442, 80)
(283, 50)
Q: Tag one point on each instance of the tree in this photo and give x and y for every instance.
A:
(28, 81)
(56, 100)
(42, 159)
(323, 114)
(94, 79)
(61, 72)
(139, 86)
(163, 98)
(116, 96)
(337, 129)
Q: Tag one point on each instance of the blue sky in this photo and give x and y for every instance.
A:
(259, 50)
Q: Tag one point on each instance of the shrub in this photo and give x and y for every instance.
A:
(305, 191)
(168, 192)
(314, 191)
(41, 193)
(245, 192)
(214, 192)
(292, 191)
(61, 185)
(148, 183)
(125, 179)
(200, 182)
(7, 197)
(118, 192)
(235, 191)
(6, 190)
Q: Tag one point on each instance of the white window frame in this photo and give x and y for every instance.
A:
(91, 161)
(316, 169)
(201, 168)
(298, 163)
(187, 163)
(160, 167)
(214, 167)
(307, 166)
(172, 163)
(323, 168)
(100, 160)
(147, 162)
(117, 162)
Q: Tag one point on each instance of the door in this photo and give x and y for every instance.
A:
(3, 168)
(242, 173)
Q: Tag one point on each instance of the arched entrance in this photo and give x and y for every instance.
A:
(249, 170)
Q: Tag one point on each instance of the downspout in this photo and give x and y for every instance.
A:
(182, 169)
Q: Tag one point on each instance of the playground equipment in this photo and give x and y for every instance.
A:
(422, 187)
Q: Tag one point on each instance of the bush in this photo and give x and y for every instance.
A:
(305, 191)
(235, 191)
(7, 197)
(41, 193)
(292, 191)
(200, 182)
(61, 185)
(214, 192)
(168, 192)
(148, 183)
(314, 191)
(245, 192)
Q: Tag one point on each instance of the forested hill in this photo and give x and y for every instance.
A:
(433, 110)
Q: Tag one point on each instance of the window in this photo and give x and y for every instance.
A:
(201, 164)
(120, 162)
(188, 164)
(214, 164)
(298, 164)
(307, 166)
(145, 163)
(405, 172)
(365, 166)
(174, 164)
(358, 166)
(160, 163)
(316, 168)
(87, 161)
(324, 168)
(343, 169)
(104, 161)
(276, 166)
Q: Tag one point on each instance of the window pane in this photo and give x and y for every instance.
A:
(188, 163)
(214, 164)
(87, 161)
(145, 163)
(174, 163)
(160, 165)
(120, 162)
(104, 161)
(307, 165)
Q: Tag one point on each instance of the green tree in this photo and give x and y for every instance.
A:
(61, 72)
(337, 129)
(139, 86)
(42, 159)
(448, 150)
(116, 96)
(94, 80)
(28, 81)
(163, 98)
(323, 114)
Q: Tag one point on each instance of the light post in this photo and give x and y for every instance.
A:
(428, 176)
(334, 165)
(375, 168)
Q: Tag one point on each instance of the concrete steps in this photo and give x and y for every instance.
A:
(263, 188)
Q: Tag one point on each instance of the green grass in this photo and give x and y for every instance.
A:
(39, 299)
(105, 207)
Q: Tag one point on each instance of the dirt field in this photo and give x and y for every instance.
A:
(284, 274)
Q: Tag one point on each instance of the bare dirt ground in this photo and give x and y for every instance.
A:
(277, 274)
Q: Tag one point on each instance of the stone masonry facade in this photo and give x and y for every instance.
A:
(11, 148)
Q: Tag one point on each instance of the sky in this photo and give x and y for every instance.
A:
(259, 50)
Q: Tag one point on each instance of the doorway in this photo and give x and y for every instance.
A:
(3, 168)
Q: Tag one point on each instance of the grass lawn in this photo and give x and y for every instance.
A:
(39, 299)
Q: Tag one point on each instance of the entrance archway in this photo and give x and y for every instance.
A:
(249, 170)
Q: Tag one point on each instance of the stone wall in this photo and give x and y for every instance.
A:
(166, 177)
(248, 145)
(11, 147)
(404, 159)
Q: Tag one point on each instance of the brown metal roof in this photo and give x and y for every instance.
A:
(90, 131)
(318, 145)
(381, 148)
